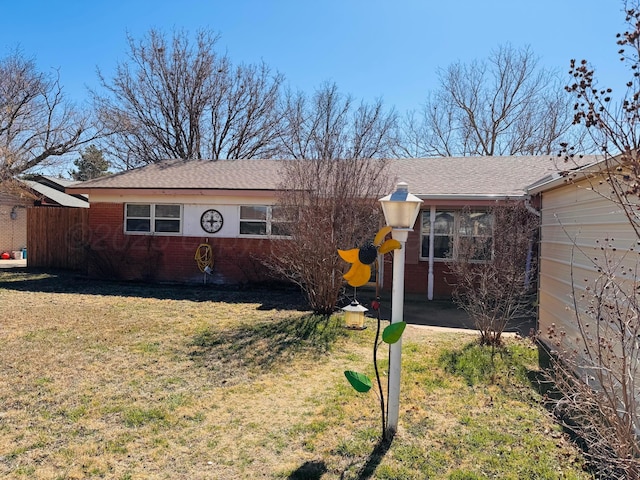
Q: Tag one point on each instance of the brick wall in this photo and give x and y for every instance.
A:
(112, 254)
(13, 232)
(416, 271)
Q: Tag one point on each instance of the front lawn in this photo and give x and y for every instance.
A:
(126, 381)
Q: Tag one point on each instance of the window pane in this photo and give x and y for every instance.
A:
(482, 248)
(253, 228)
(425, 246)
(138, 210)
(442, 246)
(253, 212)
(426, 222)
(280, 228)
(167, 226)
(168, 211)
(283, 214)
(476, 223)
(138, 225)
(444, 223)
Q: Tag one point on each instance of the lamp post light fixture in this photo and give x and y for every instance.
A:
(354, 316)
(400, 212)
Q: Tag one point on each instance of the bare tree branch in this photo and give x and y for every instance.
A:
(505, 105)
(328, 126)
(37, 123)
(178, 99)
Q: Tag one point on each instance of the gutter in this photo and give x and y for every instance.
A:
(463, 196)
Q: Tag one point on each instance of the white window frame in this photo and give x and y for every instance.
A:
(152, 219)
(268, 221)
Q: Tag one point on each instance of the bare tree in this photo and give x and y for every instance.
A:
(329, 125)
(37, 124)
(175, 98)
(328, 204)
(494, 272)
(506, 105)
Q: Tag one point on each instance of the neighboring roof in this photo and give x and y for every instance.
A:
(438, 177)
(51, 191)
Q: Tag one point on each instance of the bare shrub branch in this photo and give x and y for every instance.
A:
(493, 277)
(596, 366)
(332, 204)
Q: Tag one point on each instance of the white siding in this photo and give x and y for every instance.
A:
(576, 223)
(194, 206)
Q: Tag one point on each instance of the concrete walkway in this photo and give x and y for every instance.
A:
(13, 263)
(438, 313)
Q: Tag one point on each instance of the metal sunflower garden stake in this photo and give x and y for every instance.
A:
(358, 275)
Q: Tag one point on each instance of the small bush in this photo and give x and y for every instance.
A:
(479, 364)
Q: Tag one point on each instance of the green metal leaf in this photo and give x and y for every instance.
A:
(359, 381)
(393, 332)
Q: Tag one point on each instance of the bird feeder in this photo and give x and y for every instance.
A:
(354, 316)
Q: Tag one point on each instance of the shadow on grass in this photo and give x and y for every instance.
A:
(269, 297)
(373, 461)
(309, 471)
(239, 351)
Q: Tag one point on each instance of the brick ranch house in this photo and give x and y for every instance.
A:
(146, 224)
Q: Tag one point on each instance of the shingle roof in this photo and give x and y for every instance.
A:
(463, 176)
(476, 176)
(195, 174)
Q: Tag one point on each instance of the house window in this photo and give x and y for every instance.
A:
(476, 234)
(152, 218)
(264, 220)
(455, 229)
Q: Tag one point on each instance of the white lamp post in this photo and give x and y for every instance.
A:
(400, 212)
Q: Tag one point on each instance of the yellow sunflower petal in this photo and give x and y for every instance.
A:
(381, 234)
(350, 256)
(388, 245)
(358, 274)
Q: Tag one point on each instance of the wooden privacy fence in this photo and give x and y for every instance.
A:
(56, 237)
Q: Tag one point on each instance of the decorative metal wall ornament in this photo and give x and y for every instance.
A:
(211, 221)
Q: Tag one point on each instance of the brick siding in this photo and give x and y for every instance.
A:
(168, 258)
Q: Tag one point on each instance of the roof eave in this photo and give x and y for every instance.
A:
(471, 197)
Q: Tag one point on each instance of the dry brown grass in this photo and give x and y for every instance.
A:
(107, 380)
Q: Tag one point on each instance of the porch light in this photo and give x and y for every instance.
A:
(354, 316)
(401, 207)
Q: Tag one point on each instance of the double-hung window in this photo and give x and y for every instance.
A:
(152, 218)
(455, 232)
(475, 235)
(264, 220)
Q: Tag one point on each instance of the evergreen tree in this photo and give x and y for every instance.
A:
(91, 164)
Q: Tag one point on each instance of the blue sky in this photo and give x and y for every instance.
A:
(369, 48)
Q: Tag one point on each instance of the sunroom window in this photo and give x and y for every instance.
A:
(455, 231)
